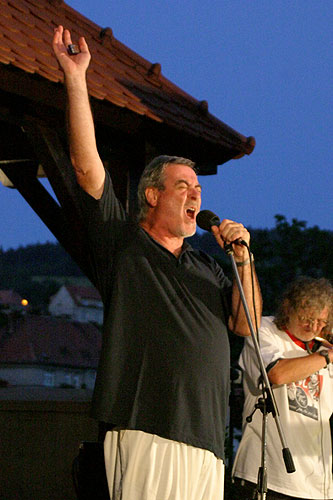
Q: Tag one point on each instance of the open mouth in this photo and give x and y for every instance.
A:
(190, 212)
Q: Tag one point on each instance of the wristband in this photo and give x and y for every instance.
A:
(245, 262)
(324, 352)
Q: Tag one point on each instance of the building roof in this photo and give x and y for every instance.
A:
(117, 74)
(79, 293)
(44, 395)
(10, 298)
(45, 340)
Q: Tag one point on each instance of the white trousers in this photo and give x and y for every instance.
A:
(141, 466)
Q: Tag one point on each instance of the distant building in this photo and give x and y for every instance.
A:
(79, 303)
(41, 351)
(11, 301)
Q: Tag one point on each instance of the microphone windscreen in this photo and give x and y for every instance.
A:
(206, 219)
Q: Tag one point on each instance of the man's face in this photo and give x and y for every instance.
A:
(305, 324)
(179, 203)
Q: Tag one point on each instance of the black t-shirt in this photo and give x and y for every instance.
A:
(164, 366)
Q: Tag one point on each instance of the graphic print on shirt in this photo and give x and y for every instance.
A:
(303, 396)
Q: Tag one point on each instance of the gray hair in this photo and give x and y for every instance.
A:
(305, 293)
(154, 176)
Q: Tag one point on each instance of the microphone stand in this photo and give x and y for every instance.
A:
(267, 403)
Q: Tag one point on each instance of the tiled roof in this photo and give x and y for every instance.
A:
(45, 340)
(83, 292)
(45, 395)
(116, 74)
(9, 297)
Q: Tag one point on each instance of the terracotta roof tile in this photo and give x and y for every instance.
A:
(6, 58)
(36, 3)
(53, 76)
(45, 340)
(18, 45)
(48, 62)
(18, 6)
(100, 64)
(118, 100)
(83, 292)
(4, 45)
(22, 17)
(9, 25)
(4, 12)
(9, 297)
(43, 15)
(117, 74)
(44, 28)
(98, 94)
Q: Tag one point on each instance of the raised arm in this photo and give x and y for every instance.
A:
(226, 233)
(86, 161)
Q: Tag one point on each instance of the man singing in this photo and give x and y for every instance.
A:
(163, 379)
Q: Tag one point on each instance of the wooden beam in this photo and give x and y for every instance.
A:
(62, 216)
(26, 182)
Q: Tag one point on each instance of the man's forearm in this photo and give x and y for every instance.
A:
(290, 370)
(84, 155)
(238, 322)
(82, 140)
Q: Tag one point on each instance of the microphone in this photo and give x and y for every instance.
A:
(206, 219)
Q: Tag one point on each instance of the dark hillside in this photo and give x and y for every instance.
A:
(281, 254)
